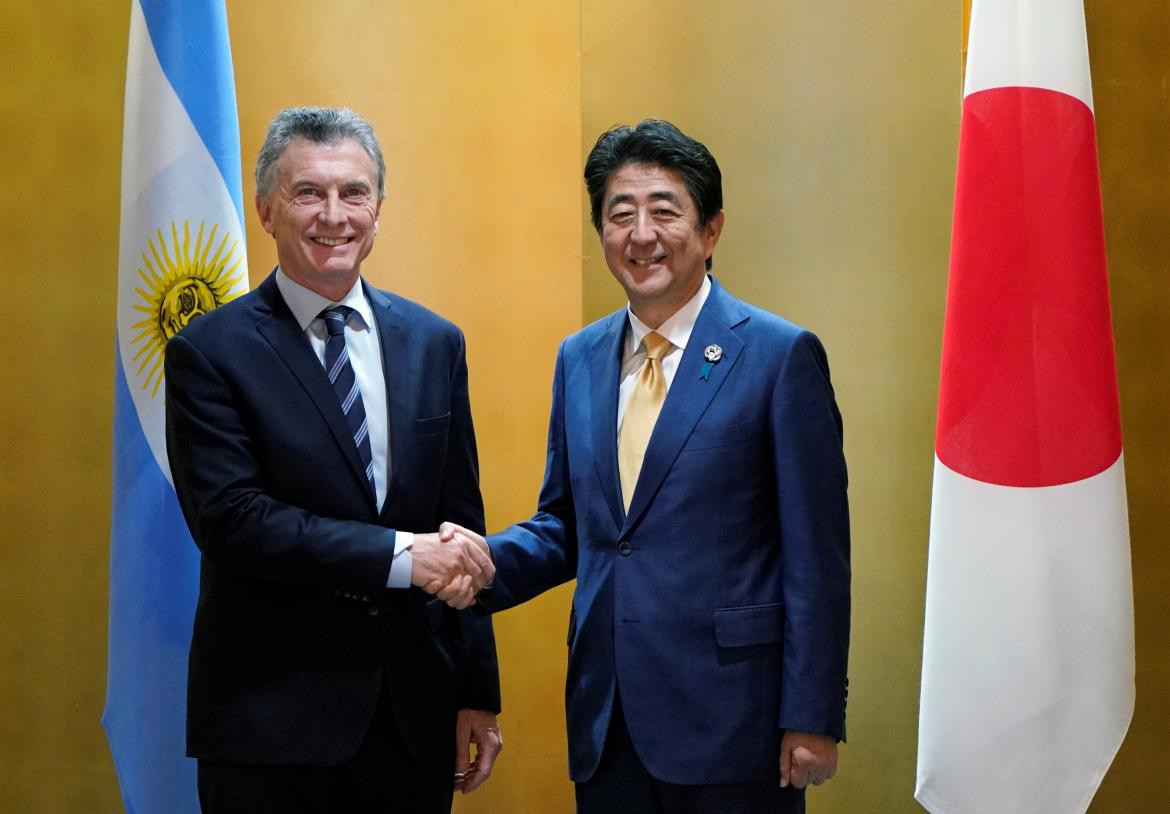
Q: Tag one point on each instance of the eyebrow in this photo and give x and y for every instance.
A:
(314, 182)
(657, 195)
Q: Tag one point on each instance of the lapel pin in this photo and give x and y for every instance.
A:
(712, 353)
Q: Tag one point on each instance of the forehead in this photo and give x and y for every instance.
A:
(345, 158)
(640, 182)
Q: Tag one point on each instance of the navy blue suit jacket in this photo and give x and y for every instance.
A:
(295, 631)
(720, 602)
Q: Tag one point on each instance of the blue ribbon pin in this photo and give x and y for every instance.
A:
(712, 353)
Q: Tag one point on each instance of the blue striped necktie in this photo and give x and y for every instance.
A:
(345, 384)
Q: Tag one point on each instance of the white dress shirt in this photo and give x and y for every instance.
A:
(364, 347)
(677, 329)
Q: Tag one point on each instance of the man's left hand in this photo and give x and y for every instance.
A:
(806, 758)
(478, 727)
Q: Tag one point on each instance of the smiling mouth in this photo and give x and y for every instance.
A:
(331, 241)
(646, 261)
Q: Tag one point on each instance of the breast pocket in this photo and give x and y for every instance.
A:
(715, 437)
(432, 426)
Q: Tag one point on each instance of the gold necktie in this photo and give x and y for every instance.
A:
(641, 412)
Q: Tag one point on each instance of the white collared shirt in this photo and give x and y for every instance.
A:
(677, 329)
(365, 356)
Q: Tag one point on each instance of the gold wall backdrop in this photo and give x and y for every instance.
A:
(61, 93)
(835, 125)
(1131, 75)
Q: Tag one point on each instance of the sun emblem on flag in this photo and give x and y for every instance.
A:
(181, 281)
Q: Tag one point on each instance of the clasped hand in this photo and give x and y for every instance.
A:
(453, 564)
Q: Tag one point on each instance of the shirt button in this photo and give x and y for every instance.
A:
(624, 548)
(372, 610)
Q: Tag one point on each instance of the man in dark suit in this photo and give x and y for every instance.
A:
(312, 425)
(696, 489)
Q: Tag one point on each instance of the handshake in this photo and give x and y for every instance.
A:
(454, 564)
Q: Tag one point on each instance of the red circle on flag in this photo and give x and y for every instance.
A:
(1028, 391)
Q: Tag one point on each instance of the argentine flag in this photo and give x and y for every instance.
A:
(181, 255)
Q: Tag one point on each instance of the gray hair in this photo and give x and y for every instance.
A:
(320, 125)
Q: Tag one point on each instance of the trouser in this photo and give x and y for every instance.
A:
(382, 777)
(622, 785)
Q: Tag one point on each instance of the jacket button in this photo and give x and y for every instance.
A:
(624, 548)
(372, 610)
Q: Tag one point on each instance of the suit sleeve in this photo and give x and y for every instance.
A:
(811, 483)
(237, 525)
(541, 553)
(462, 502)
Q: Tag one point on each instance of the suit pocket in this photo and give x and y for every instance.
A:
(710, 438)
(432, 426)
(749, 625)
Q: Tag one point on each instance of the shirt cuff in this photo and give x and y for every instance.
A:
(401, 567)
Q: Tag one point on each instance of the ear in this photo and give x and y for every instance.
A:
(712, 231)
(264, 210)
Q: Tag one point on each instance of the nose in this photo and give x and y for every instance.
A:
(642, 231)
(331, 212)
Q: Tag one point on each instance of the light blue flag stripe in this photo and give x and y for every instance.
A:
(154, 572)
(196, 57)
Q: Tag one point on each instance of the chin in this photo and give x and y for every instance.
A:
(336, 267)
(651, 288)
(647, 278)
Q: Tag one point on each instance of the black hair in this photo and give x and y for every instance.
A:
(654, 141)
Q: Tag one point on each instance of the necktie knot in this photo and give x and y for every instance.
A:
(656, 346)
(335, 318)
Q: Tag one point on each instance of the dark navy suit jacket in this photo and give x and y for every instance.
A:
(719, 604)
(295, 631)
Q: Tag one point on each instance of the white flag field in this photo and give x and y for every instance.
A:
(1028, 653)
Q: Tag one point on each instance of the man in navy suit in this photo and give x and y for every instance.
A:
(312, 425)
(696, 490)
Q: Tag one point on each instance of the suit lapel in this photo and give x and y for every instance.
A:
(395, 340)
(605, 358)
(279, 328)
(689, 394)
